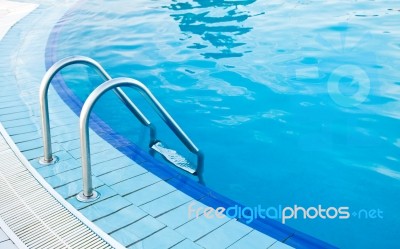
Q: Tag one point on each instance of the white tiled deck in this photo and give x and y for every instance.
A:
(11, 12)
(137, 208)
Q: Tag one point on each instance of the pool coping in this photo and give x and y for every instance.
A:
(183, 183)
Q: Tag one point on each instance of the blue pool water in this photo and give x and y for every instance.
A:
(292, 102)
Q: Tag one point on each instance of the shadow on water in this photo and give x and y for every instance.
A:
(218, 23)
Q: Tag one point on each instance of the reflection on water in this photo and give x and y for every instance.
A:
(266, 114)
(218, 23)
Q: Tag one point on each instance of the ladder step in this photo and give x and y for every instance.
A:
(173, 157)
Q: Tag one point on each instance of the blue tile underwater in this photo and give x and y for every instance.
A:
(12, 103)
(254, 240)
(187, 244)
(73, 188)
(19, 138)
(30, 145)
(150, 193)
(138, 230)
(165, 203)
(105, 193)
(106, 156)
(65, 177)
(279, 245)
(165, 238)
(16, 123)
(13, 109)
(95, 147)
(71, 144)
(105, 207)
(122, 174)
(65, 129)
(180, 215)
(225, 235)
(133, 184)
(36, 153)
(197, 228)
(61, 154)
(15, 116)
(60, 167)
(12, 131)
(120, 219)
(111, 165)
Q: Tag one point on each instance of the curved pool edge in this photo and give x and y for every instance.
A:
(213, 199)
(46, 186)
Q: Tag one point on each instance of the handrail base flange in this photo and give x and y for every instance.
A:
(83, 198)
(42, 161)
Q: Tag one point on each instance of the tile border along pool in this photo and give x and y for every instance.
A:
(147, 209)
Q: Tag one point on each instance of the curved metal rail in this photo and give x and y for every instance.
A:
(88, 193)
(48, 157)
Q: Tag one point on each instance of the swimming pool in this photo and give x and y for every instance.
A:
(292, 102)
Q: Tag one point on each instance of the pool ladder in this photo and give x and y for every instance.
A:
(89, 194)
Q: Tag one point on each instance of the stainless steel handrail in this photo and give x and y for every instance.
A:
(88, 193)
(48, 157)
